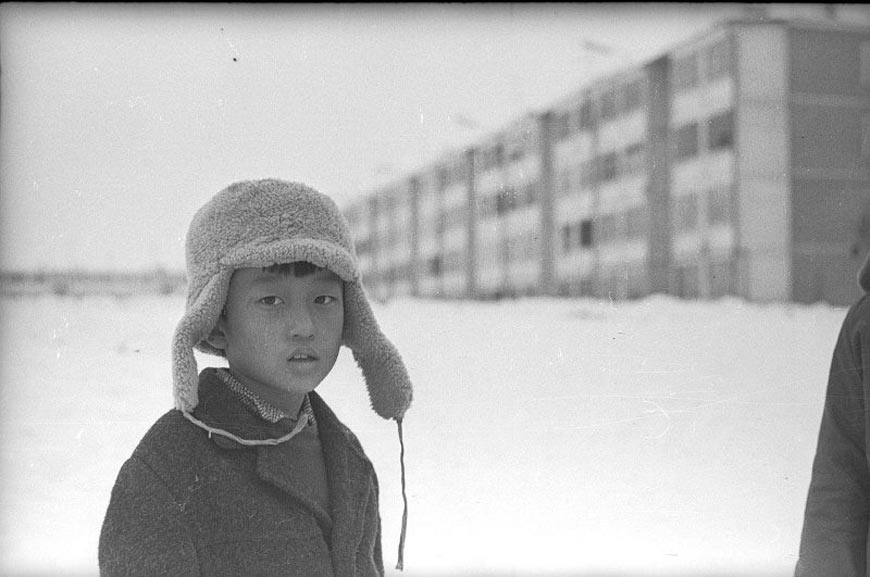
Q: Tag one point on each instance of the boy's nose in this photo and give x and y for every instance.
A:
(301, 326)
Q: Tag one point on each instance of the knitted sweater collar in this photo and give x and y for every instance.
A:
(260, 406)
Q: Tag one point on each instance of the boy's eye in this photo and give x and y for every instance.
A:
(271, 300)
(325, 299)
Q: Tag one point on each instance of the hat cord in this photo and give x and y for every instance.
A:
(401, 561)
(300, 425)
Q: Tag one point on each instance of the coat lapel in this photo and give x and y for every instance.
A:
(864, 274)
(349, 485)
(276, 465)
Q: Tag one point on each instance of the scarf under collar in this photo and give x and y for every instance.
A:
(261, 407)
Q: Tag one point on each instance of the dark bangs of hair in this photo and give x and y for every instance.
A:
(298, 269)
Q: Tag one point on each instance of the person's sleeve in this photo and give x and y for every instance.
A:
(143, 533)
(834, 537)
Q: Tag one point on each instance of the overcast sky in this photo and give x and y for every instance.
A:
(119, 121)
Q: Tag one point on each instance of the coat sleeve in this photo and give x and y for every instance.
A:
(834, 537)
(378, 552)
(143, 532)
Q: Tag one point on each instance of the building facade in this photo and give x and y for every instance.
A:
(737, 163)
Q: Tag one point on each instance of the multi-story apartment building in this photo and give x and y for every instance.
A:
(736, 163)
(428, 248)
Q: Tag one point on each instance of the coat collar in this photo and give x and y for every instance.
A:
(864, 274)
(221, 408)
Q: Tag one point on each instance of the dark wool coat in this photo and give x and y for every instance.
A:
(834, 542)
(186, 504)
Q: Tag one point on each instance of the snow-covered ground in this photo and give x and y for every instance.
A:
(657, 437)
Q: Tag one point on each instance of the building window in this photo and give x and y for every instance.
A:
(457, 217)
(586, 120)
(719, 205)
(566, 238)
(457, 173)
(634, 158)
(564, 182)
(865, 64)
(687, 141)
(865, 137)
(604, 226)
(563, 128)
(498, 158)
(575, 182)
(576, 235)
(686, 281)
(453, 261)
(587, 174)
(718, 58)
(516, 152)
(491, 158)
(523, 195)
(505, 200)
(720, 131)
(636, 222)
(609, 227)
(492, 204)
(443, 178)
(608, 105)
(585, 233)
(638, 284)
(633, 96)
(516, 248)
(530, 190)
(685, 72)
(578, 178)
(720, 279)
(607, 169)
(482, 205)
(686, 213)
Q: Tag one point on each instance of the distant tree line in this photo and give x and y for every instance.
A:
(78, 282)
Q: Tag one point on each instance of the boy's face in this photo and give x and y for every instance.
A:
(281, 333)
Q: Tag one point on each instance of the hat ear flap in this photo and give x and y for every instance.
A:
(196, 325)
(384, 372)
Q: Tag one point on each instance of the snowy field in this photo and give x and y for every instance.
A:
(547, 437)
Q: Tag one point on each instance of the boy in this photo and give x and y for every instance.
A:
(252, 473)
(834, 542)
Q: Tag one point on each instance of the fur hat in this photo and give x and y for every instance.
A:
(265, 222)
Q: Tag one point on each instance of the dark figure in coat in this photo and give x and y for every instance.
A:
(834, 542)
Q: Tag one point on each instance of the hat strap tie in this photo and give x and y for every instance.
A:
(401, 562)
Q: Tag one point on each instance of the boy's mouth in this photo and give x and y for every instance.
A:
(302, 357)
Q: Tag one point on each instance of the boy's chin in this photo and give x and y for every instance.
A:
(299, 388)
